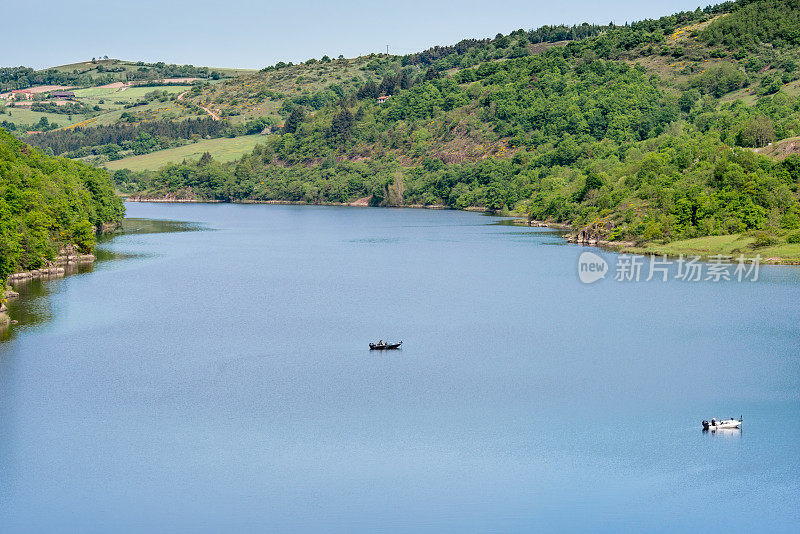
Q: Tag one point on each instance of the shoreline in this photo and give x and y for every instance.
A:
(360, 203)
(583, 236)
(5, 319)
(56, 269)
(664, 250)
(67, 261)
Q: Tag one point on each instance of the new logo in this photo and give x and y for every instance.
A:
(591, 267)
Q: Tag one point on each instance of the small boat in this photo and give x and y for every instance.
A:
(380, 345)
(722, 424)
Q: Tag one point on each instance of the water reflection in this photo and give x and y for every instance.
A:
(33, 307)
(724, 432)
(132, 226)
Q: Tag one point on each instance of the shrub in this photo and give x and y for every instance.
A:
(764, 239)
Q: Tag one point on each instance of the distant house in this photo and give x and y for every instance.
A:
(62, 94)
(267, 130)
(23, 93)
(382, 99)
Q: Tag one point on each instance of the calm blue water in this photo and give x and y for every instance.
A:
(217, 380)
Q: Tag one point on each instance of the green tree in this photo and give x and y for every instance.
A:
(296, 117)
(758, 131)
(205, 159)
(341, 124)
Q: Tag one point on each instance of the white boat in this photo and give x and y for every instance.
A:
(720, 424)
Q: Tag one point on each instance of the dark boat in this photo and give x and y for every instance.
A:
(384, 346)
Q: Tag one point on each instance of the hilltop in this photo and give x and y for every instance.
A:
(103, 71)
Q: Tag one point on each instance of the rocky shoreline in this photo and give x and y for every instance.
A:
(68, 259)
(5, 320)
(593, 236)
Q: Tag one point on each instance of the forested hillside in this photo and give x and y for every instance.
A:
(46, 203)
(647, 132)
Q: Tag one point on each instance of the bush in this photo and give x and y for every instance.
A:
(793, 237)
(764, 239)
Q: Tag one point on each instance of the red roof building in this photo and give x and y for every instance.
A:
(27, 93)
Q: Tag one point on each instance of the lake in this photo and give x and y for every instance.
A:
(218, 379)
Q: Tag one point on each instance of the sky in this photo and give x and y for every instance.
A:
(251, 34)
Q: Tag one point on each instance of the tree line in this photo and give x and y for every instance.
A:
(69, 140)
(13, 78)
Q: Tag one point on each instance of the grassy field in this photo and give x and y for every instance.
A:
(24, 116)
(151, 111)
(95, 92)
(732, 245)
(112, 111)
(749, 98)
(792, 88)
(93, 95)
(781, 148)
(135, 93)
(745, 95)
(223, 149)
(107, 99)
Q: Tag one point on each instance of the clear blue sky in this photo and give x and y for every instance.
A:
(247, 33)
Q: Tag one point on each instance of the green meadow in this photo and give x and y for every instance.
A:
(729, 245)
(222, 149)
(24, 116)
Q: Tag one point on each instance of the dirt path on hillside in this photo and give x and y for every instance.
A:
(213, 115)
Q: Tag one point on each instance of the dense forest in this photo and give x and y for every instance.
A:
(140, 137)
(615, 40)
(46, 203)
(580, 133)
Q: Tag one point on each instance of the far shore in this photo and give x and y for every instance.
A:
(703, 247)
(361, 203)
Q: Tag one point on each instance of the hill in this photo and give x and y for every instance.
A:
(47, 203)
(36, 105)
(646, 132)
(624, 130)
(105, 71)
